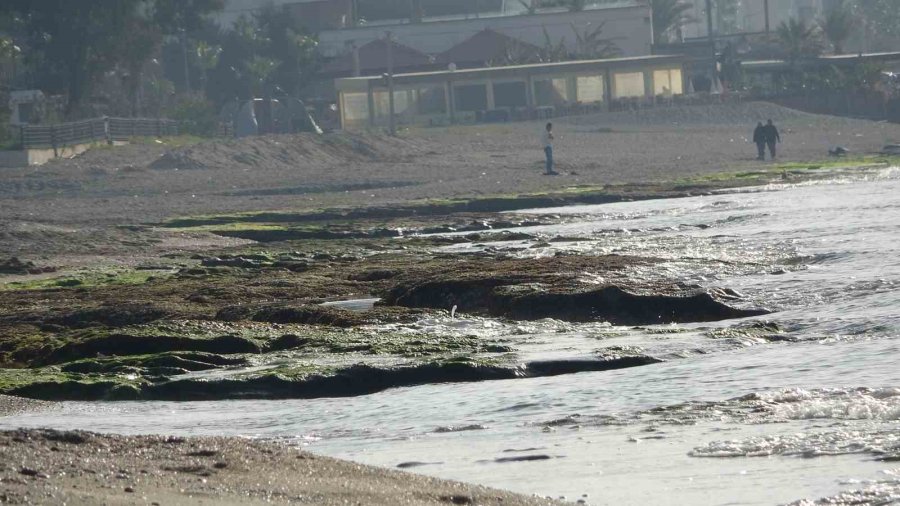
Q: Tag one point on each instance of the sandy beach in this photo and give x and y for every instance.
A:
(50, 467)
(188, 299)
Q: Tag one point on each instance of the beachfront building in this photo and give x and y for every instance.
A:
(510, 93)
(627, 22)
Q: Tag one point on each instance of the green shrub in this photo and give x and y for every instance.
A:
(196, 116)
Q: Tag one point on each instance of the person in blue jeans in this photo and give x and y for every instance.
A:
(548, 149)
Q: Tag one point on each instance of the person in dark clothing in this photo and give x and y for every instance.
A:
(772, 137)
(759, 138)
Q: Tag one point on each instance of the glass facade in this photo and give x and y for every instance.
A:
(629, 84)
(470, 97)
(510, 94)
(355, 107)
(590, 89)
(552, 91)
(668, 79)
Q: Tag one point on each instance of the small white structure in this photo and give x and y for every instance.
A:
(25, 106)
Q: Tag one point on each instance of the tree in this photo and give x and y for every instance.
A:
(577, 5)
(799, 40)
(531, 6)
(293, 51)
(261, 54)
(837, 26)
(726, 16)
(76, 41)
(182, 18)
(416, 11)
(72, 44)
(174, 16)
(668, 17)
(590, 45)
(880, 16)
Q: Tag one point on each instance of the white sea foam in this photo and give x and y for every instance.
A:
(876, 492)
(883, 444)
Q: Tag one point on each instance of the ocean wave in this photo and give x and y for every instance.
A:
(883, 444)
(773, 406)
(876, 492)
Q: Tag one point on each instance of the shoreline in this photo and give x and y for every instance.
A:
(157, 295)
(47, 466)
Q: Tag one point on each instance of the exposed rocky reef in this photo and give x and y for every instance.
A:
(249, 322)
(531, 289)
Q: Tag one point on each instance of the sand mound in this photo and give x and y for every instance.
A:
(284, 151)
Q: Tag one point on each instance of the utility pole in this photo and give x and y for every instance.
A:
(184, 49)
(712, 38)
(766, 7)
(390, 82)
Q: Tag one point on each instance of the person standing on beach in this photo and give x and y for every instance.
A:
(759, 138)
(772, 137)
(548, 149)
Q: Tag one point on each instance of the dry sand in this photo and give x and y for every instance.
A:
(119, 186)
(50, 467)
(71, 213)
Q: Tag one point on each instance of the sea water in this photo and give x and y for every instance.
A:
(730, 417)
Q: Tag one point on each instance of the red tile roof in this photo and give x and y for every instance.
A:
(488, 47)
(373, 59)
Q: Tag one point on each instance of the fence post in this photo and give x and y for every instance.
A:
(106, 133)
(53, 141)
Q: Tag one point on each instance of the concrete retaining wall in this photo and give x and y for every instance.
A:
(29, 157)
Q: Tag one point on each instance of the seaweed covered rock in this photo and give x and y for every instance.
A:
(13, 265)
(316, 314)
(531, 289)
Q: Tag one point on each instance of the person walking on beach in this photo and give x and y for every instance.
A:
(772, 137)
(548, 149)
(759, 138)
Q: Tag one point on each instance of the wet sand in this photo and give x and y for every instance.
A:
(10, 405)
(50, 467)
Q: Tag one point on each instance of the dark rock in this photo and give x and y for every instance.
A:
(457, 499)
(128, 345)
(530, 302)
(375, 275)
(523, 458)
(15, 266)
(113, 316)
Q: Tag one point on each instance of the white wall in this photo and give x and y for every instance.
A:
(629, 26)
(234, 9)
(751, 15)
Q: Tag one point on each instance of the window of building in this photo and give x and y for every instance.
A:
(590, 89)
(470, 97)
(432, 100)
(669, 79)
(355, 107)
(553, 91)
(629, 84)
(402, 103)
(510, 94)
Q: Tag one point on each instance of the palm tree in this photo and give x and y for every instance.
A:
(837, 26)
(590, 45)
(531, 6)
(668, 16)
(577, 5)
(416, 11)
(799, 40)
